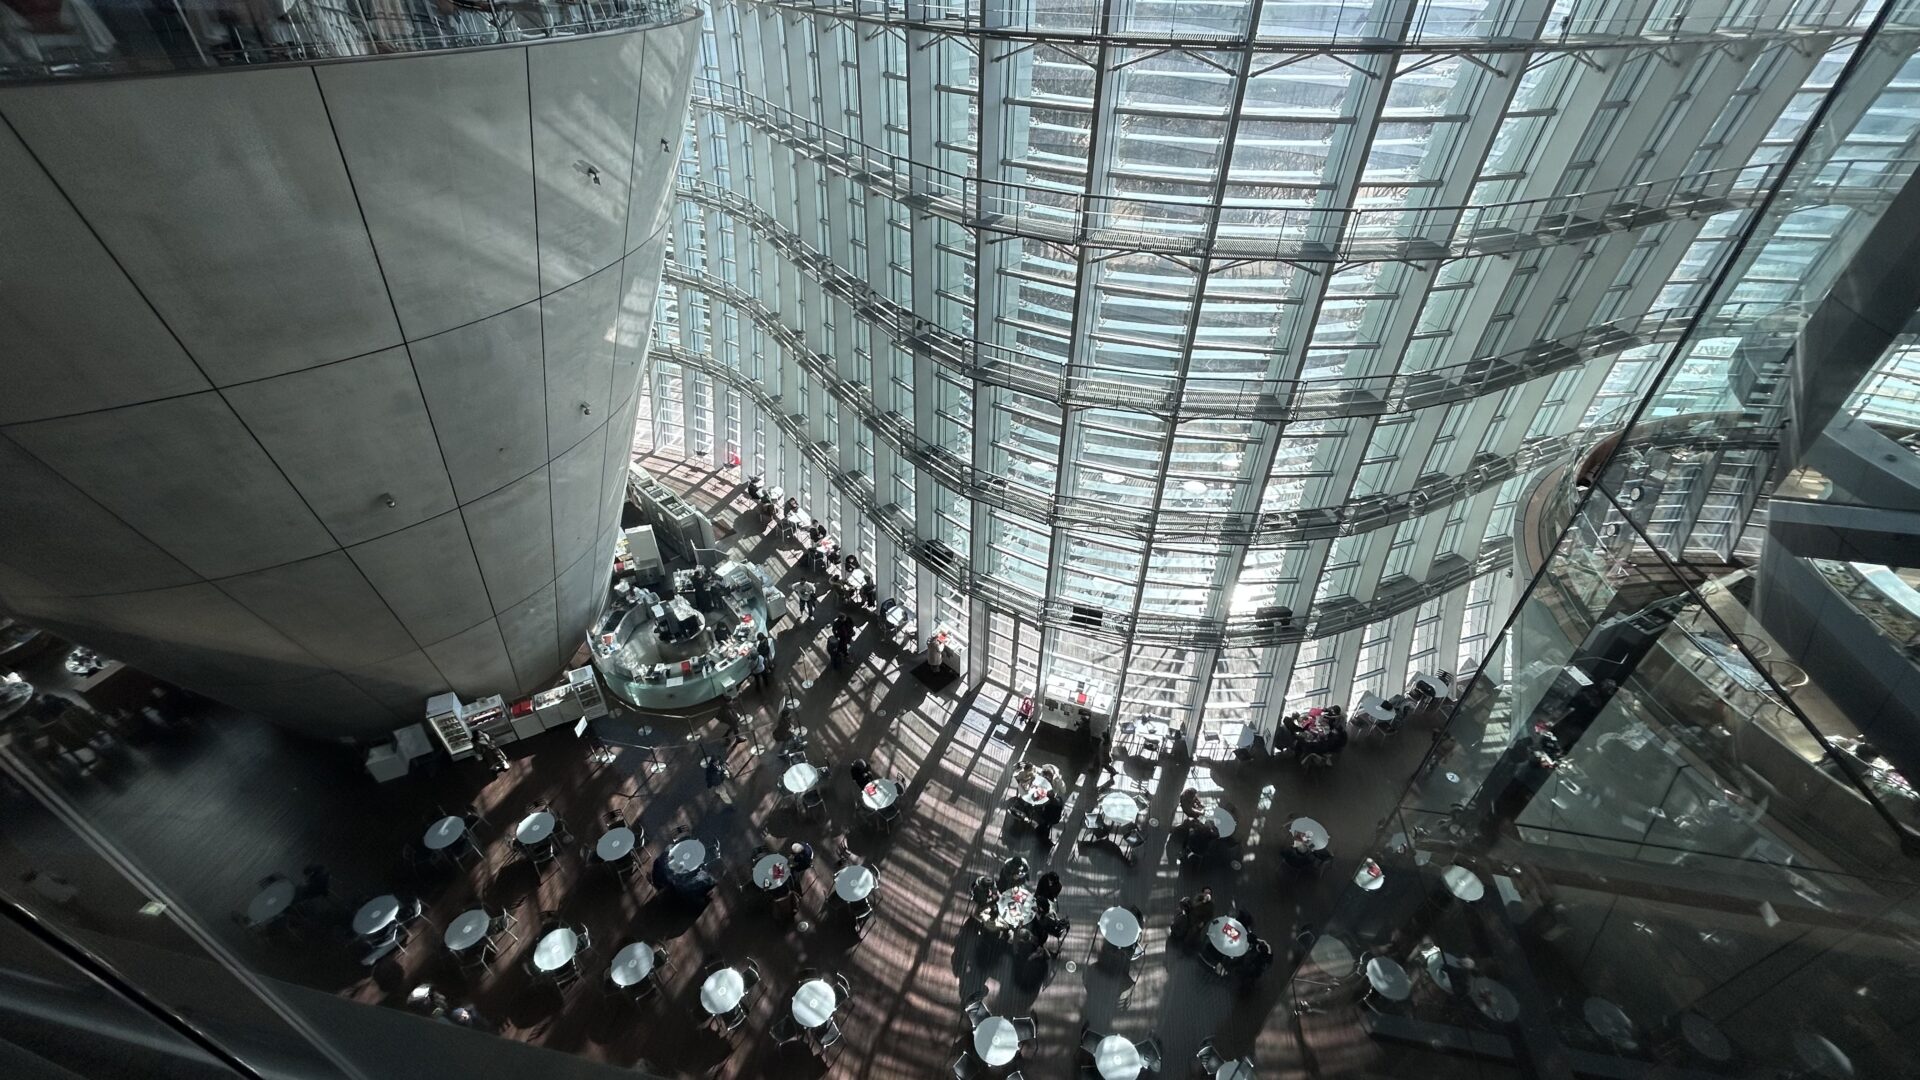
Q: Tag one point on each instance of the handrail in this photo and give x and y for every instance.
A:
(76, 39)
(1122, 622)
(1346, 26)
(1290, 228)
(1245, 397)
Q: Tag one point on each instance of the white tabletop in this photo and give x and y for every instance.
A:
(879, 793)
(632, 964)
(800, 777)
(268, 903)
(1316, 832)
(1464, 883)
(614, 844)
(556, 949)
(1017, 907)
(1117, 1058)
(1608, 1020)
(1223, 821)
(1119, 808)
(686, 856)
(1037, 790)
(1375, 706)
(1494, 999)
(1388, 978)
(534, 828)
(772, 871)
(1229, 947)
(854, 882)
(1818, 1053)
(995, 1040)
(375, 914)
(1433, 685)
(722, 991)
(466, 930)
(813, 1003)
(1235, 1070)
(441, 834)
(1369, 876)
(1119, 927)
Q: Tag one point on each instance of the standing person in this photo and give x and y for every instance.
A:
(495, 758)
(758, 666)
(807, 597)
(836, 652)
(730, 717)
(843, 627)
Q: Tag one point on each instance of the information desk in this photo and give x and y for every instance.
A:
(654, 664)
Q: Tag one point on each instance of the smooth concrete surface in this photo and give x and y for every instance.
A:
(320, 378)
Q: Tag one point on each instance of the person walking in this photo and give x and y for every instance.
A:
(807, 597)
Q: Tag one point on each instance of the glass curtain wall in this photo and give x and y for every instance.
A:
(1635, 849)
(1216, 345)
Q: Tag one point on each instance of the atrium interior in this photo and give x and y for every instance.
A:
(1364, 538)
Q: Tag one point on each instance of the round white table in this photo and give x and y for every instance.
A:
(1609, 1021)
(1223, 821)
(1705, 1037)
(1120, 928)
(271, 902)
(854, 883)
(1388, 978)
(800, 778)
(375, 914)
(686, 856)
(614, 844)
(534, 828)
(1017, 906)
(879, 793)
(722, 991)
(631, 965)
(467, 929)
(1816, 1052)
(1235, 1070)
(442, 834)
(1317, 836)
(1119, 808)
(1116, 1058)
(813, 1003)
(556, 950)
(1464, 883)
(1037, 790)
(995, 1041)
(772, 871)
(1370, 877)
(1494, 1000)
(1228, 937)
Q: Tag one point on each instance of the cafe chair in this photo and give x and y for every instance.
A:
(828, 1034)
(966, 1067)
(1090, 1040)
(786, 1033)
(842, 986)
(976, 1009)
(1025, 1029)
(1208, 1059)
(1149, 1053)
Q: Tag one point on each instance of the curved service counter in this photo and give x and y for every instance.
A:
(672, 652)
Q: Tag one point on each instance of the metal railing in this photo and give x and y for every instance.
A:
(1291, 227)
(82, 38)
(1353, 26)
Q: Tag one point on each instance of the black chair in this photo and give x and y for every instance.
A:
(786, 1033)
(976, 1009)
(966, 1067)
(1025, 1029)
(1090, 1040)
(1209, 1059)
(1149, 1053)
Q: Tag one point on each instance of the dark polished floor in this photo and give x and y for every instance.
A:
(210, 810)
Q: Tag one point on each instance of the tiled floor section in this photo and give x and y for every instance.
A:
(211, 811)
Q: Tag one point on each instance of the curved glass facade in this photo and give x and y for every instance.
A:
(1199, 354)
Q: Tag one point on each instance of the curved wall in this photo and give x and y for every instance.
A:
(320, 379)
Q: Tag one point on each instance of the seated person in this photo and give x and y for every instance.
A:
(1049, 886)
(861, 772)
(984, 894)
(1200, 838)
(869, 595)
(1192, 805)
(1015, 871)
(1201, 910)
(1024, 773)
